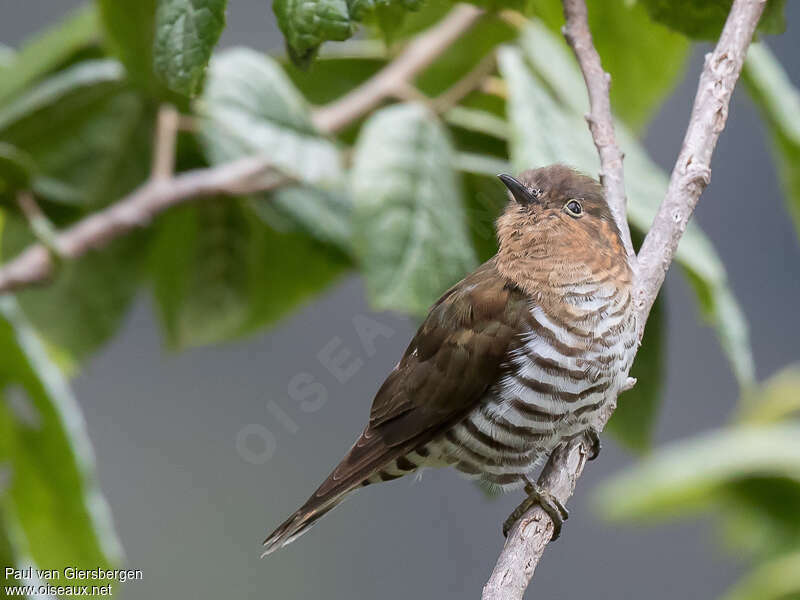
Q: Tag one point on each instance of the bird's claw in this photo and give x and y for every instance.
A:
(549, 503)
(594, 447)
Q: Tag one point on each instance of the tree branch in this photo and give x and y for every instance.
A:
(394, 77)
(246, 175)
(601, 122)
(529, 537)
(692, 171)
(164, 142)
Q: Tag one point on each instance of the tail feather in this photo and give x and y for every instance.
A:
(296, 525)
(367, 456)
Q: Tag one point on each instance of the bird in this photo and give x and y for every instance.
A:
(520, 356)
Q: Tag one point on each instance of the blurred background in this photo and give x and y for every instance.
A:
(202, 453)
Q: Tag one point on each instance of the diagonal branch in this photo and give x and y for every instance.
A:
(393, 79)
(136, 210)
(251, 174)
(600, 119)
(531, 534)
(692, 171)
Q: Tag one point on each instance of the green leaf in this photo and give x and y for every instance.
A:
(16, 169)
(760, 515)
(480, 164)
(217, 276)
(84, 304)
(779, 103)
(325, 214)
(53, 500)
(186, 33)
(250, 106)
(306, 269)
(88, 136)
(634, 419)
(533, 109)
(776, 399)
(130, 32)
(777, 579)
(306, 25)
(465, 54)
(703, 19)
(407, 199)
(687, 475)
(327, 79)
(484, 200)
(629, 43)
(479, 121)
(97, 76)
(8, 555)
(49, 49)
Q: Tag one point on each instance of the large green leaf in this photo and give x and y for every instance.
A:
(777, 579)
(409, 223)
(186, 33)
(52, 499)
(703, 19)
(48, 49)
(776, 399)
(779, 102)
(537, 110)
(250, 106)
(17, 168)
(327, 79)
(325, 214)
(89, 139)
(484, 200)
(629, 43)
(464, 54)
(760, 515)
(634, 420)
(306, 25)
(219, 272)
(84, 304)
(87, 136)
(8, 555)
(687, 475)
(130, 32)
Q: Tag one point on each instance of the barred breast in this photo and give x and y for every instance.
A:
(569, 364)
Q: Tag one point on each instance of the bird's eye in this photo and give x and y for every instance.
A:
(574, 208)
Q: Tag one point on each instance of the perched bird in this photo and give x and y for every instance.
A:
(518, 357)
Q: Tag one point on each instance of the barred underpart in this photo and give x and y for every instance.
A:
(567, 367)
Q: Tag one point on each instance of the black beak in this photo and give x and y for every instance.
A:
(518, 190)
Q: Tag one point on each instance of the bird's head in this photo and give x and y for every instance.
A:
(557, 220)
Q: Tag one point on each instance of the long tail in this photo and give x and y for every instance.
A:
(367, 456)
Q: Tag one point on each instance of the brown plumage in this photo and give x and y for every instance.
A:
(515, 358)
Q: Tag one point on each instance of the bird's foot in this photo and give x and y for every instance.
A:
(549, 503)
(593, 437)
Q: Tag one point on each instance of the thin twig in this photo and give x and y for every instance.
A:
(531, 534)
(601, 122)
(495, 86)
(467, 84)
(394, 77)
(41, 226)
(165, 139)
(239, 177)
(246, 175)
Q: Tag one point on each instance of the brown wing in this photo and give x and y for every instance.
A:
(457, 353)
